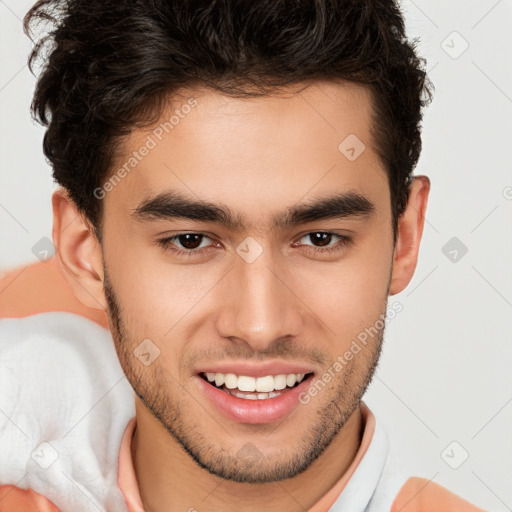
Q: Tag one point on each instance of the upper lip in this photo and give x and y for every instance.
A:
(257, 369)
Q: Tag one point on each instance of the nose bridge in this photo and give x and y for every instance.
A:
(260, 308)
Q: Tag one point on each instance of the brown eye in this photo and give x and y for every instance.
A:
(190, 240)
(322, 241)
(186, 244)
(321, 238)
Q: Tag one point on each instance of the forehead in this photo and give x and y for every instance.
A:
(256, 154)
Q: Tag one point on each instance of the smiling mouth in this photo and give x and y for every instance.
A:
(234, 390)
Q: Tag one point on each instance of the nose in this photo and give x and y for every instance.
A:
(259, 306)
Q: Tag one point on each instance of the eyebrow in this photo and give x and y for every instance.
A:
(171, 205)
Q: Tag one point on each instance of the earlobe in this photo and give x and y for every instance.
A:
(410, 230)
(78, 251)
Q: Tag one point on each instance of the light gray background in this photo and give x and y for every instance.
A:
(445, 371)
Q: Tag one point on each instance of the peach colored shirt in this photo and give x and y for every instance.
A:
(128, 483)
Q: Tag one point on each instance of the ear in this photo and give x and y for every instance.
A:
(78, 252)
(410, 229)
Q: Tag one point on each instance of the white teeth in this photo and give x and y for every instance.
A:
(263, 385)
(253, 396)
(248, 397)
(230, 380)
(246, 383)
(280, 381)
(291, 380)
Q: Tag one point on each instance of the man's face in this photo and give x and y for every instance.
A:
(257, 292)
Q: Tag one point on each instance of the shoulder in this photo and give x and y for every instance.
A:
(398, 491)
(54, 346)
(421, 495)
(14, 499)
(56, 324)
(66, 403)
(70, 331)
(40, 288)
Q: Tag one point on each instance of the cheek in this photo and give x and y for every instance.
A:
(155, 294)
(349, 295)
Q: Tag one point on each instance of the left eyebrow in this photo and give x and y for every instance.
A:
(172, 205)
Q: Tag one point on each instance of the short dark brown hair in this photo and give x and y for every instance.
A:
(113, 64)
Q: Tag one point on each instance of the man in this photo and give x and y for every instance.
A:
(236, 194)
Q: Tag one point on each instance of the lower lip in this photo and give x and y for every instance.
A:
(254, 411)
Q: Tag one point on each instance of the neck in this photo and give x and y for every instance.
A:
(170, 480)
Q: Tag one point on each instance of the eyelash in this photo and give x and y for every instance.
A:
(166, 244)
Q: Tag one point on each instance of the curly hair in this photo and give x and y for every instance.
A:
(111, 65)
